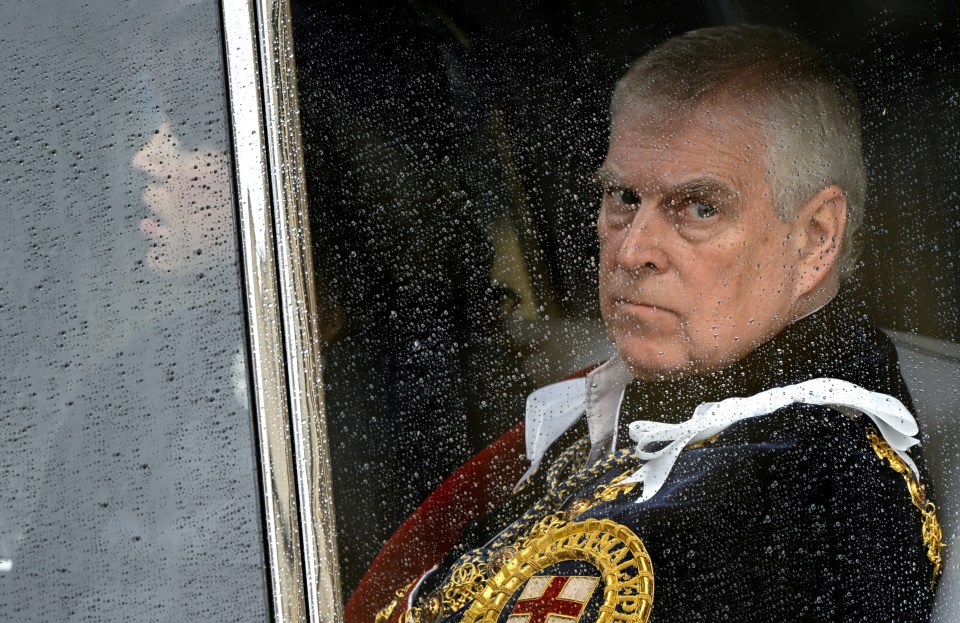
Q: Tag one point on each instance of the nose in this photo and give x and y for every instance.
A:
(642, 248)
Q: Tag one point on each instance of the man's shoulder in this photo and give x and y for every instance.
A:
(803, 426)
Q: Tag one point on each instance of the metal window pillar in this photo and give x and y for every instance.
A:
(281, 304)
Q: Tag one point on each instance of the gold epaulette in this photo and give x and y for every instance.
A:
(931, 531)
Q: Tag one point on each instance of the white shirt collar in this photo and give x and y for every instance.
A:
(553, 409)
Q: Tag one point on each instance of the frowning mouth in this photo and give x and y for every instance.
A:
(641, 310)
(631, 303)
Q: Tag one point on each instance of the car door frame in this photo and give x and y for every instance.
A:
(281, 308)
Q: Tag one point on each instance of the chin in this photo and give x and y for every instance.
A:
(654, 361)
(646, 372)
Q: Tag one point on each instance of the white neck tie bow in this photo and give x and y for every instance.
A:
(895, 423)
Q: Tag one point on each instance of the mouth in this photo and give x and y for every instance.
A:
(630, 303)
(641, 309)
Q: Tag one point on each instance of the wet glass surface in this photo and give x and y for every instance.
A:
(450, 148)
(128, 470)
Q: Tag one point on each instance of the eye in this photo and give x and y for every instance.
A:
(624, 196)
(701, 211)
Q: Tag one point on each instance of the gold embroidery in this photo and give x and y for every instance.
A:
(466, 581)
(709, 441)
(387, 611)
(931, 531)
(578, 507)
(471, 573)
(610, 492)
(614, 550)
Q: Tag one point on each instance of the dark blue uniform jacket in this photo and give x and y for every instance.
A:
(791, 516)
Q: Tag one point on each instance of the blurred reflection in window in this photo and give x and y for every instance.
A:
(131, 381)
(190, 226)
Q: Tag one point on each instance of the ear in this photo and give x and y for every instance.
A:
(818, 232)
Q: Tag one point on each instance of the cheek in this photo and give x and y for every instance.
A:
(611, 239)
(753, 283)
(752, 254)
(194, 197)
(721, 290)
(773, 264)
(718, 268)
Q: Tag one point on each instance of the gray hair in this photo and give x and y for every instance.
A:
(808, 112)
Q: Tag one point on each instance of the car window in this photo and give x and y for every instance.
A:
(450, 149)
(128, 468)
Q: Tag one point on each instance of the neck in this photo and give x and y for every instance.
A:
(833, 341)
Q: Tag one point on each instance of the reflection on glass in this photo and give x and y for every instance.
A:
(190, 225)
(450, 150)
(128, 466)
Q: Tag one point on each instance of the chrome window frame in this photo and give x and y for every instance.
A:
(281, 307)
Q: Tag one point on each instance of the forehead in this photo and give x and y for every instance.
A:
(652, 146)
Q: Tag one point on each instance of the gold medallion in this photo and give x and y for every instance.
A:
(525, 591)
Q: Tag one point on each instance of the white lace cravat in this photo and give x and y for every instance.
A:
(893, 420)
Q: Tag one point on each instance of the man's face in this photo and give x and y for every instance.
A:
(190, 226)
(696, 267)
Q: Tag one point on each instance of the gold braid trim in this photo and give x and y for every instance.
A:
(931, 530)
(383, 616)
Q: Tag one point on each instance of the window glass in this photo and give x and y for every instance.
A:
(127, 466)
(450, 148)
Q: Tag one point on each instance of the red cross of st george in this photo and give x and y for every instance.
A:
(549, 603)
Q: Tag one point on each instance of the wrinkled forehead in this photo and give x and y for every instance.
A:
(722, 115)
(713, 136)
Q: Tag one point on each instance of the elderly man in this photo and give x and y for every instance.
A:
(744, 456)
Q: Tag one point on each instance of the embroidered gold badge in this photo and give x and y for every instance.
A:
(525, 591)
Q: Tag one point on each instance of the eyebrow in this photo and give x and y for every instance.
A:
(605, 177)
(706, 185)
(703, 186)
